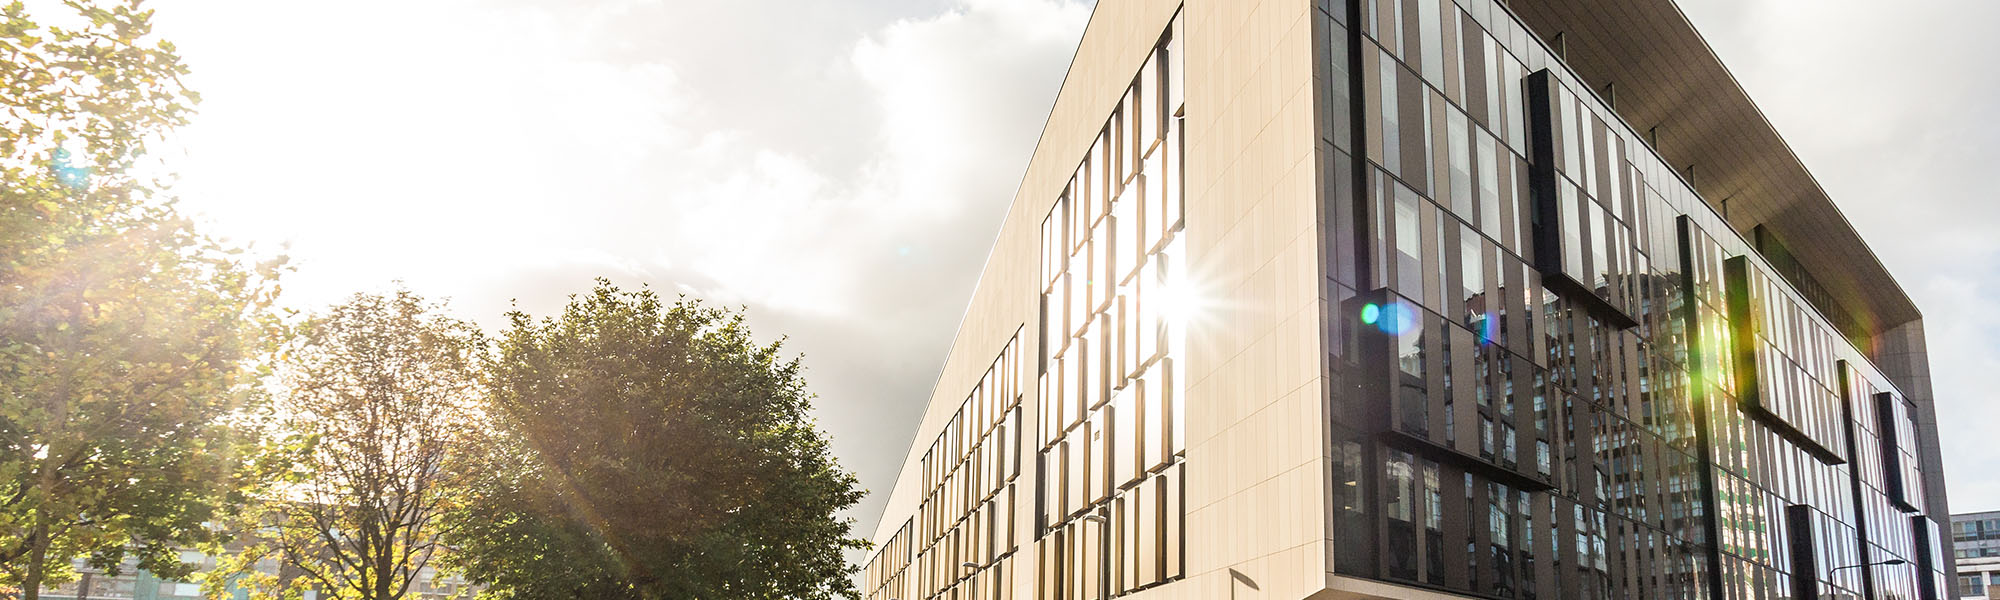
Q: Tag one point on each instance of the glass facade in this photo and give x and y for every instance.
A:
(1550, 369)
(1558, 373)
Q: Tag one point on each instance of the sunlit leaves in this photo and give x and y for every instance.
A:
(124, 334)
(642, 449)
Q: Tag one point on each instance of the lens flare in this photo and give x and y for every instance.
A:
(68, 171)
(1393, 318)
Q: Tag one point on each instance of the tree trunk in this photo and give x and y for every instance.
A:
(38, 557)
(384, 565)
(38, 553)
(31, 583)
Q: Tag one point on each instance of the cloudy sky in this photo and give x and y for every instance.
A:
(840, 167)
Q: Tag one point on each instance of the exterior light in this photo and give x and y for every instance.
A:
(1887, 563)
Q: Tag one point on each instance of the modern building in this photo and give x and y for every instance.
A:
(1977, 539)
(1419, 299)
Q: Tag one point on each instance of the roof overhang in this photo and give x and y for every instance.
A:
(1667, 76)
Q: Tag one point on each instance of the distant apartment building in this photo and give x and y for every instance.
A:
(1420, 299)
(1976, 539)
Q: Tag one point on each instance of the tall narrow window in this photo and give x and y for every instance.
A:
(1459, 146)
(1489, 185)
(1399, 504)
(1409, 243)
(1472, 278)
(1392, 149)
(1430, 32)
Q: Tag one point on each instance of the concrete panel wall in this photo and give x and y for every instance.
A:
(1256, 475)
(1256, 472)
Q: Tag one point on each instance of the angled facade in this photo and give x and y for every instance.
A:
(1419, 299)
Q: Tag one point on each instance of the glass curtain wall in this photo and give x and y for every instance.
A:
(1557, 373)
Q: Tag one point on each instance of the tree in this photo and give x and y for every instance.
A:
(124, 334)
(379, 388)
(644, 450)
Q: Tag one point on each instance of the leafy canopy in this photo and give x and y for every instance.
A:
(639, 449)
(124, 333)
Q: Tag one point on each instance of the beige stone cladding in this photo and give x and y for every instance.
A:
(1246, 266)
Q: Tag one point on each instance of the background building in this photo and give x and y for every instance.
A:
(133, 583)
(1419, 299)
(1977, 539)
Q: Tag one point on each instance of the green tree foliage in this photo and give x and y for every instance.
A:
(380, 389)
(123, 332)
(646, 450)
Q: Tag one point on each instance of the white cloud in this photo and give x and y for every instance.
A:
(840, 167)
(962, 85)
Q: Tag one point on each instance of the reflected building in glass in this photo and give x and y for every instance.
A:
(1420, 299)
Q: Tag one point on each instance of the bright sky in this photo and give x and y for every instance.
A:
(840, 167)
